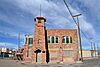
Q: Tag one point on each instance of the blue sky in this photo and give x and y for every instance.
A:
(17, 16)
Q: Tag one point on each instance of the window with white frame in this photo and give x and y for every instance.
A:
(48, 39)
(66, 39)
(25, 40)
(52, 39)
(30, 41)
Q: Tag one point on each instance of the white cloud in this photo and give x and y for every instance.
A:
(8, 45)
(93, 6)
(51, 10)
(90, 20)
(86, 26)
(11, 34)
(56, 14)
(32, 6)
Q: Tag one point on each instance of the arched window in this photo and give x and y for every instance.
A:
(70, 39)
(48, 39)
(39, 20)
(25, 40)
(52, 39)
(30, 41)
(56, 39)
(63, 39)
(66, 39)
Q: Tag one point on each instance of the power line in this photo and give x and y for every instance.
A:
(70, 12)
(74, 18)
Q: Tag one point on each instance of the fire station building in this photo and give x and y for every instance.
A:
(51, 45)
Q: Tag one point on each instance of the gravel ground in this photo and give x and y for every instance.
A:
(14, 63)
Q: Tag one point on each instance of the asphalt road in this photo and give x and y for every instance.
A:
(14, 63)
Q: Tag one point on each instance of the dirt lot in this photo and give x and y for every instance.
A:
(15, 63)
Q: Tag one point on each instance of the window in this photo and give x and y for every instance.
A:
(30, 41)
(26, 41)
(53, 39)
(63, 39)
(66, 39)
(56, 39)
(70, 39)
(39, 21)
(48, 39)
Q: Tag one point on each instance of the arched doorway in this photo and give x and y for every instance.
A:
(38, 55)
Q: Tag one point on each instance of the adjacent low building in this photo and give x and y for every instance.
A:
(28, 46)
(6, 53)
(88, 53)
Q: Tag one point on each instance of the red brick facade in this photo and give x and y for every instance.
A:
(56, 51)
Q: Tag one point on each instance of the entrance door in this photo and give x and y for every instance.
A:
(38, 57)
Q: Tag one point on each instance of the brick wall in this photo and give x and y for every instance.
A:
(61, 47)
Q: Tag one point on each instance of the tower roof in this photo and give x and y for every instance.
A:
(40, 17)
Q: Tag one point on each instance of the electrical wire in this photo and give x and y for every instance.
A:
(74, 19)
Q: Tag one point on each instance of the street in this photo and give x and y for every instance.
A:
(15, 63)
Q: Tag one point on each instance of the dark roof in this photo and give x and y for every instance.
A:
(40, 17)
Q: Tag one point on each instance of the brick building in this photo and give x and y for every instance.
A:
(52, 45)
(27, 53)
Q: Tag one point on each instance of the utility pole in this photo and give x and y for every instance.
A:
(79, 34)
(19, 42)
(95, 49)
(91, 47)
(77, 23)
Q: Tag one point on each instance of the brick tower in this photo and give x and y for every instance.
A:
(39, 49)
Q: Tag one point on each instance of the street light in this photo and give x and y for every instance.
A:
(79, 35)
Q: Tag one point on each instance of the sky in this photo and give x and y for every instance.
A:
(17, 16)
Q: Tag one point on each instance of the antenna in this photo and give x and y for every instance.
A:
(40, 9)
